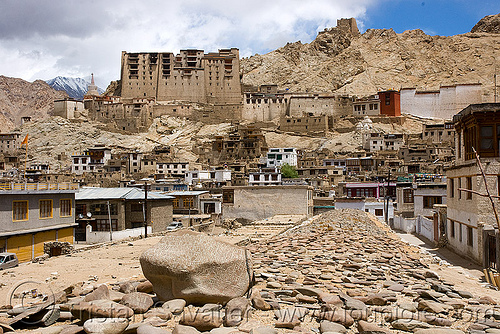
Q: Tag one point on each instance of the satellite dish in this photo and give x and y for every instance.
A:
(89, 215)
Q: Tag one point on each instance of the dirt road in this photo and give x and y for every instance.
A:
(114, 262)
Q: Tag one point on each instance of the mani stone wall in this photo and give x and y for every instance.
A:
(260, 202)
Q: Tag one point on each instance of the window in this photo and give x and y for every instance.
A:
(451, 185)
(19, 210)
(470, 238)
(103, 224)
(136, 207)
(452, 229)
(379, 212)
(469, 186)
(498, 185)
(407, 195)
(459, 141)
(486, 137)
(459, 185)
(45, 208)
(228, 196)
(102, 209)
(65, 208)
(175, 202)
(429, 201)
(188, 202)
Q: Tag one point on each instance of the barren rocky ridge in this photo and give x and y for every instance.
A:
(361, 64)
(20, 98)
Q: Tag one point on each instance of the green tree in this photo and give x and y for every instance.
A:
(288, 171)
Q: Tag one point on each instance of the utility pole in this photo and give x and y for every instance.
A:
(495, 82)
(386, 202)
(110, 226)
(145, 209)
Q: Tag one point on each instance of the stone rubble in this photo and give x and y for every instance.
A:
(340, 272)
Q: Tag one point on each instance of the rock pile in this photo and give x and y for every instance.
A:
(341, 272)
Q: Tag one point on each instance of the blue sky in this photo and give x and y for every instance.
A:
(41, 39)
(435, 17)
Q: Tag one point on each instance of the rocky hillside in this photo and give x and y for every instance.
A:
(20, 98)
(58, 137)
(489, 24)
(344, 61)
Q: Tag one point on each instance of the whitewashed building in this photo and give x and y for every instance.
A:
(276, 157)
(265, 177)
(222, 176)
(442, 103)
(172, 168)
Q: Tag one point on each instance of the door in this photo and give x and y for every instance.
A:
(41, 238)
(492, 251)
(65, 235)
(21, 245)
(436, 227)
(209, 208)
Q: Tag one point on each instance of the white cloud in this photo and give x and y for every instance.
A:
(43, 39)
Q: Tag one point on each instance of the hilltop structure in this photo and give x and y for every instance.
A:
(92, 89)
(190, 75)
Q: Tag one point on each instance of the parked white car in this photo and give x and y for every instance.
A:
(8, 260)
(174, 226)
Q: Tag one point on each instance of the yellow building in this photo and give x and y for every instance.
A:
(34, 213)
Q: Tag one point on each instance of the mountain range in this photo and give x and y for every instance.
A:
(75, 87)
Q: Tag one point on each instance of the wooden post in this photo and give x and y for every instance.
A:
(145, 209)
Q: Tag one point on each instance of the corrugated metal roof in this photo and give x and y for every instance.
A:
(116, 193)
(187, 193)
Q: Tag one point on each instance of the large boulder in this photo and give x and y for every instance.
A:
(197, 268)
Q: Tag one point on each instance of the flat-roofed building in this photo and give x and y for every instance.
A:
(33, 214)
(471, 227)
(191, 75)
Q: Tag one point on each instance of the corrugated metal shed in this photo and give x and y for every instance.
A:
(117, 193)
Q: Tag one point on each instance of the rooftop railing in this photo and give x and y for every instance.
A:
(38, 186)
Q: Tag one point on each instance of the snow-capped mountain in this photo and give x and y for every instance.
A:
(75, 87)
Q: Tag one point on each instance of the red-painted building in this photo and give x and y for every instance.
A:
(390, 103)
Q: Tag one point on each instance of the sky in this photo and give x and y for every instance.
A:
(42, 39)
